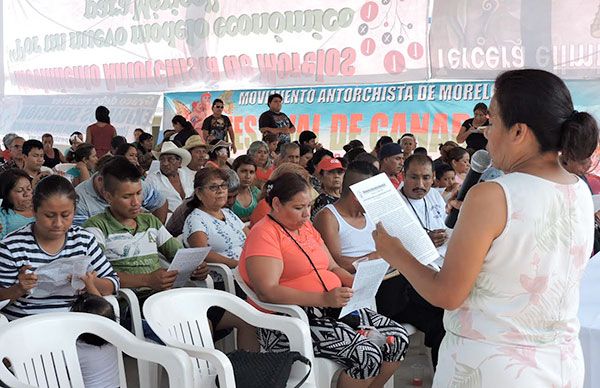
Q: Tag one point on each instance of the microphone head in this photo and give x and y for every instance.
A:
(480, 161)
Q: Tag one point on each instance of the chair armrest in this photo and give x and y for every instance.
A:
(217, 360)
(206, 283)
(227, 275)
(287, 309)
(134, 311)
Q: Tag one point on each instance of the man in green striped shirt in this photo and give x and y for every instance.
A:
(132, 240)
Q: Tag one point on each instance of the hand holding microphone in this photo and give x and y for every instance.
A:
(480, 161)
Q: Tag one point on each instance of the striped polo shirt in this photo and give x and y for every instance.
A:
(133, 250)
(21, 248)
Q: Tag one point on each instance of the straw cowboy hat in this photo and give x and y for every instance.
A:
(170, 148)
(193, 142)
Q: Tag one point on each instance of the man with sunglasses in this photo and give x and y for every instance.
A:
(218, 126)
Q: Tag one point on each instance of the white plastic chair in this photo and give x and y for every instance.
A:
(42, 360)
(325, 369)
(178, 317)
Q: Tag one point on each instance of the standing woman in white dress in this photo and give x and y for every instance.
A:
(510, 280)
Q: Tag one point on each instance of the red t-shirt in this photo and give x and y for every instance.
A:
(101, 137)
(264, 174)
(267, 238)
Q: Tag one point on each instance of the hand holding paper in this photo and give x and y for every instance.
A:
(383, 203)
(367, 280)
(185, 262)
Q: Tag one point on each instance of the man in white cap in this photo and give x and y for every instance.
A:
(171, 180)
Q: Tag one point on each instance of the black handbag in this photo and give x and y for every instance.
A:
(265, 370)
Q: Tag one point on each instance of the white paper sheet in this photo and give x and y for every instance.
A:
(382, 202)
(596, 200)
(367, 280)
(185, 262)
(61, 277)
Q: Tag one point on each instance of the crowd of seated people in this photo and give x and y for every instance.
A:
(282, 213)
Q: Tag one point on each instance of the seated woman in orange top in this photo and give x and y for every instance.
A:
(286, 261)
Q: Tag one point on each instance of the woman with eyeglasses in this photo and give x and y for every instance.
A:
(218, 126)
(212, 224)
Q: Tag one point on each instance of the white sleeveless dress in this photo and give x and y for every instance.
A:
(518, 327)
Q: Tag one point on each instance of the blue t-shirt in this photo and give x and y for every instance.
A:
(11, 221)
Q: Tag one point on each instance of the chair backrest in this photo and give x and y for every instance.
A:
(43, 353)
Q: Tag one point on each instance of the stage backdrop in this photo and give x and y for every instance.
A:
(32, 116)
(112, 46)
(433, 112)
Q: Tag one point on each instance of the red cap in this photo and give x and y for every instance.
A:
(328, 164)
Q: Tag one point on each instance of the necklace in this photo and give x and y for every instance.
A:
(426, 225)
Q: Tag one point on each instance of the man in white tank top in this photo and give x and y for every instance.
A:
(348, 236)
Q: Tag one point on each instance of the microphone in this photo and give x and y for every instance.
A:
(480, 161)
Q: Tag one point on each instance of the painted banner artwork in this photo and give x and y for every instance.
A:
(432, 111)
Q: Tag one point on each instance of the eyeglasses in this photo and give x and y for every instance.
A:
(215, 188)
(219, 106)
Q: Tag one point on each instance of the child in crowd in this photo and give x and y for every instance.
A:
(444, 181)
(98, 359)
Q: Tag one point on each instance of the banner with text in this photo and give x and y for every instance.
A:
(433, 112)
(99, 46)
(32, 116)
(480, 38)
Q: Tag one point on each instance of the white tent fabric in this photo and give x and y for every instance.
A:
(97, 46)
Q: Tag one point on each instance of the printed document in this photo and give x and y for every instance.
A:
(382, 203)
(61, 277)
(367, 280)
(185, 262)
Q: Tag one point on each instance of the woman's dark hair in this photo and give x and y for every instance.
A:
(83, 151)
(50, 186)
(76, 133)
(285, 187)
(270, 137)
(8, 181)
(117, 141)
(218, 100)
(123, 148)
(366, 157)
(441, 170)
(456, 153)
(145, 136)
(179, 119)
(383, 140)
(316, 159)
(542, 101)
(304, 149)
(306, 136)
(201, 179)
(480, 106)
(351, 155)
(241, 160)
(93, 304)
(102, 113)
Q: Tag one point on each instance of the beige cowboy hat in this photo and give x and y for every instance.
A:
(193, 142)
(170, 148)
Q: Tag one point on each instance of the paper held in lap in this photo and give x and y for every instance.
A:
(368, 278)
(61, 277)
(185, 262)
(382, 203)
